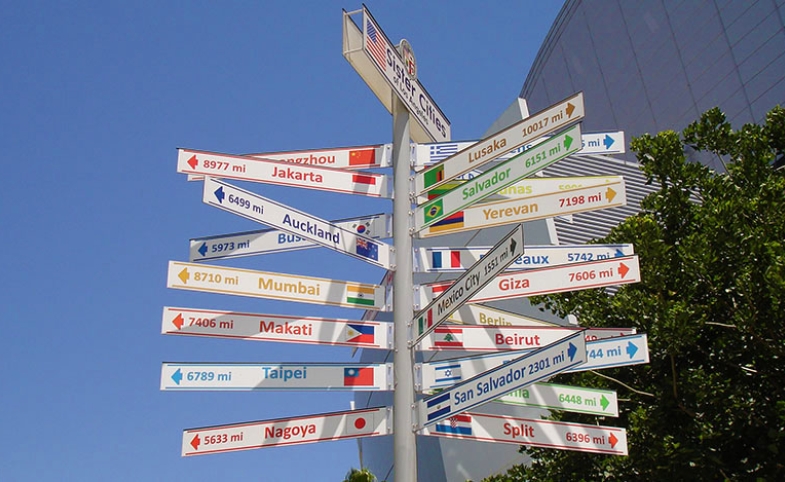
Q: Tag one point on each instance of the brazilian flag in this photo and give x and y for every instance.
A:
(434, 211)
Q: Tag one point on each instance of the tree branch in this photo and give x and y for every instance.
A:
(622, 384)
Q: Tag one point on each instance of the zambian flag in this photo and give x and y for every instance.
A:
(434, 211)
(360, 295)
(434, 175)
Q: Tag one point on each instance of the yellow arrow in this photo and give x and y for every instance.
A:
(184, 275)
(610, 194)
(570, 109)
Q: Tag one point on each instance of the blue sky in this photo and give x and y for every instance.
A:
(95, 97)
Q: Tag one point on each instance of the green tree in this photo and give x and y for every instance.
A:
(711, 403)
(359, 475)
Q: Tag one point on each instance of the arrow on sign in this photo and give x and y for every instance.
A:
(623, 270)
(608, 141)
(184, 275)
(571, 351)
(619, 253)
(193, 162)
(177, 376)
(219, 194)
(613, 440)
(178, 321)
(631, 349)
(203, 249)
(570, 109)
(604, 402)
(610, 194)
(195, 442)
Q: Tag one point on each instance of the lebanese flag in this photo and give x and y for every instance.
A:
(448, 337)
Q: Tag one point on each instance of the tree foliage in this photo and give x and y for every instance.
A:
(711, 403)
(359, 475)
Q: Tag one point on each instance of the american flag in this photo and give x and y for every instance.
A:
(375, 44)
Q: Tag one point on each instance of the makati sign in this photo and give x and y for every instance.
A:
(380, 65)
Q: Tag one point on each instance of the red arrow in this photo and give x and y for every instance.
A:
(195, 442)
(623, 270)
(193, 162)
(613, 440)
(178, 322)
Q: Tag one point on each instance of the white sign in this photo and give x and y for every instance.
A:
(554, 279)
(431, 153)
(367, 422)
(249, 205)
(277, 328)
(593, 401)
(505, 174)
(498, 338)
(247, 168)
(380, 65)
(476, 314)
(532, 432)
(498, 213)
(537, 125)
(439, 260)
(469, 283)
(276, 286)
(616, 352)
(268, 241)
(275, 376)
(522, 371)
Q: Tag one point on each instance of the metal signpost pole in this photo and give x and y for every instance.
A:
(404, 439)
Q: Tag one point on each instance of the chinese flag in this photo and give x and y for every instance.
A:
(362, 157)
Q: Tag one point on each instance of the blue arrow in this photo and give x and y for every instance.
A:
(177, 376)
(219, 193)
(631, 349)
(619, 253)
(203, 249)
(608, 141)
(571, 351)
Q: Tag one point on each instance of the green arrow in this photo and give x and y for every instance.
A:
(567, 142)
(604, 402)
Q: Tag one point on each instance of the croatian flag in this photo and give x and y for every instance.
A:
(460, 424)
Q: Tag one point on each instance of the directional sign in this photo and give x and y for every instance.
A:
(554, 279)
(247, 168)
(596, 143)
(267, 241)
(550, 120)
(532, 432)
(593, 401)
(469, 283)
(500, 338)
(381, 66)
(276, 286)
(276, 376)
(505, 174)
(277, 328)
(249, 205)
(369, 422)
(476, 314)
(616, 352)
(521, 372)
(498, 213)
(439, 260)
(358, 157)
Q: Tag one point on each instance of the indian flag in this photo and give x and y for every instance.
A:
(360, 295)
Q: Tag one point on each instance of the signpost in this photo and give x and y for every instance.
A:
(469, 283)
(247, 168)
(276, 328)
(518, 373)
(498, 213)
(535, 433)
(616, 352)
(524, 165)
(276, 286)
(276, 376)
(244, 203)
(439, 260)
(592, 401)
(554, 279)
(268, 241)
(476, 314)
(550, 120)
(369, 422)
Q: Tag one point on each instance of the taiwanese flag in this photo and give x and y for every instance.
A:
(354, 377)
(362, 157)
(446, 259)
(363, 179)
(360, 333)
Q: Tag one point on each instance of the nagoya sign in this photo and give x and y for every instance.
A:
(469, 283)
(535, 433)
(382, 68)
(246, 168)
(276, 286)
(520, 372)
(266, 211)
(544, 122)
(507, 173)
(367, 422)
(278, 328)
(277, 376)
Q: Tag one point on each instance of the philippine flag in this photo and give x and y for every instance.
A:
(460, 424)
(358, 377)
(359, 333)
